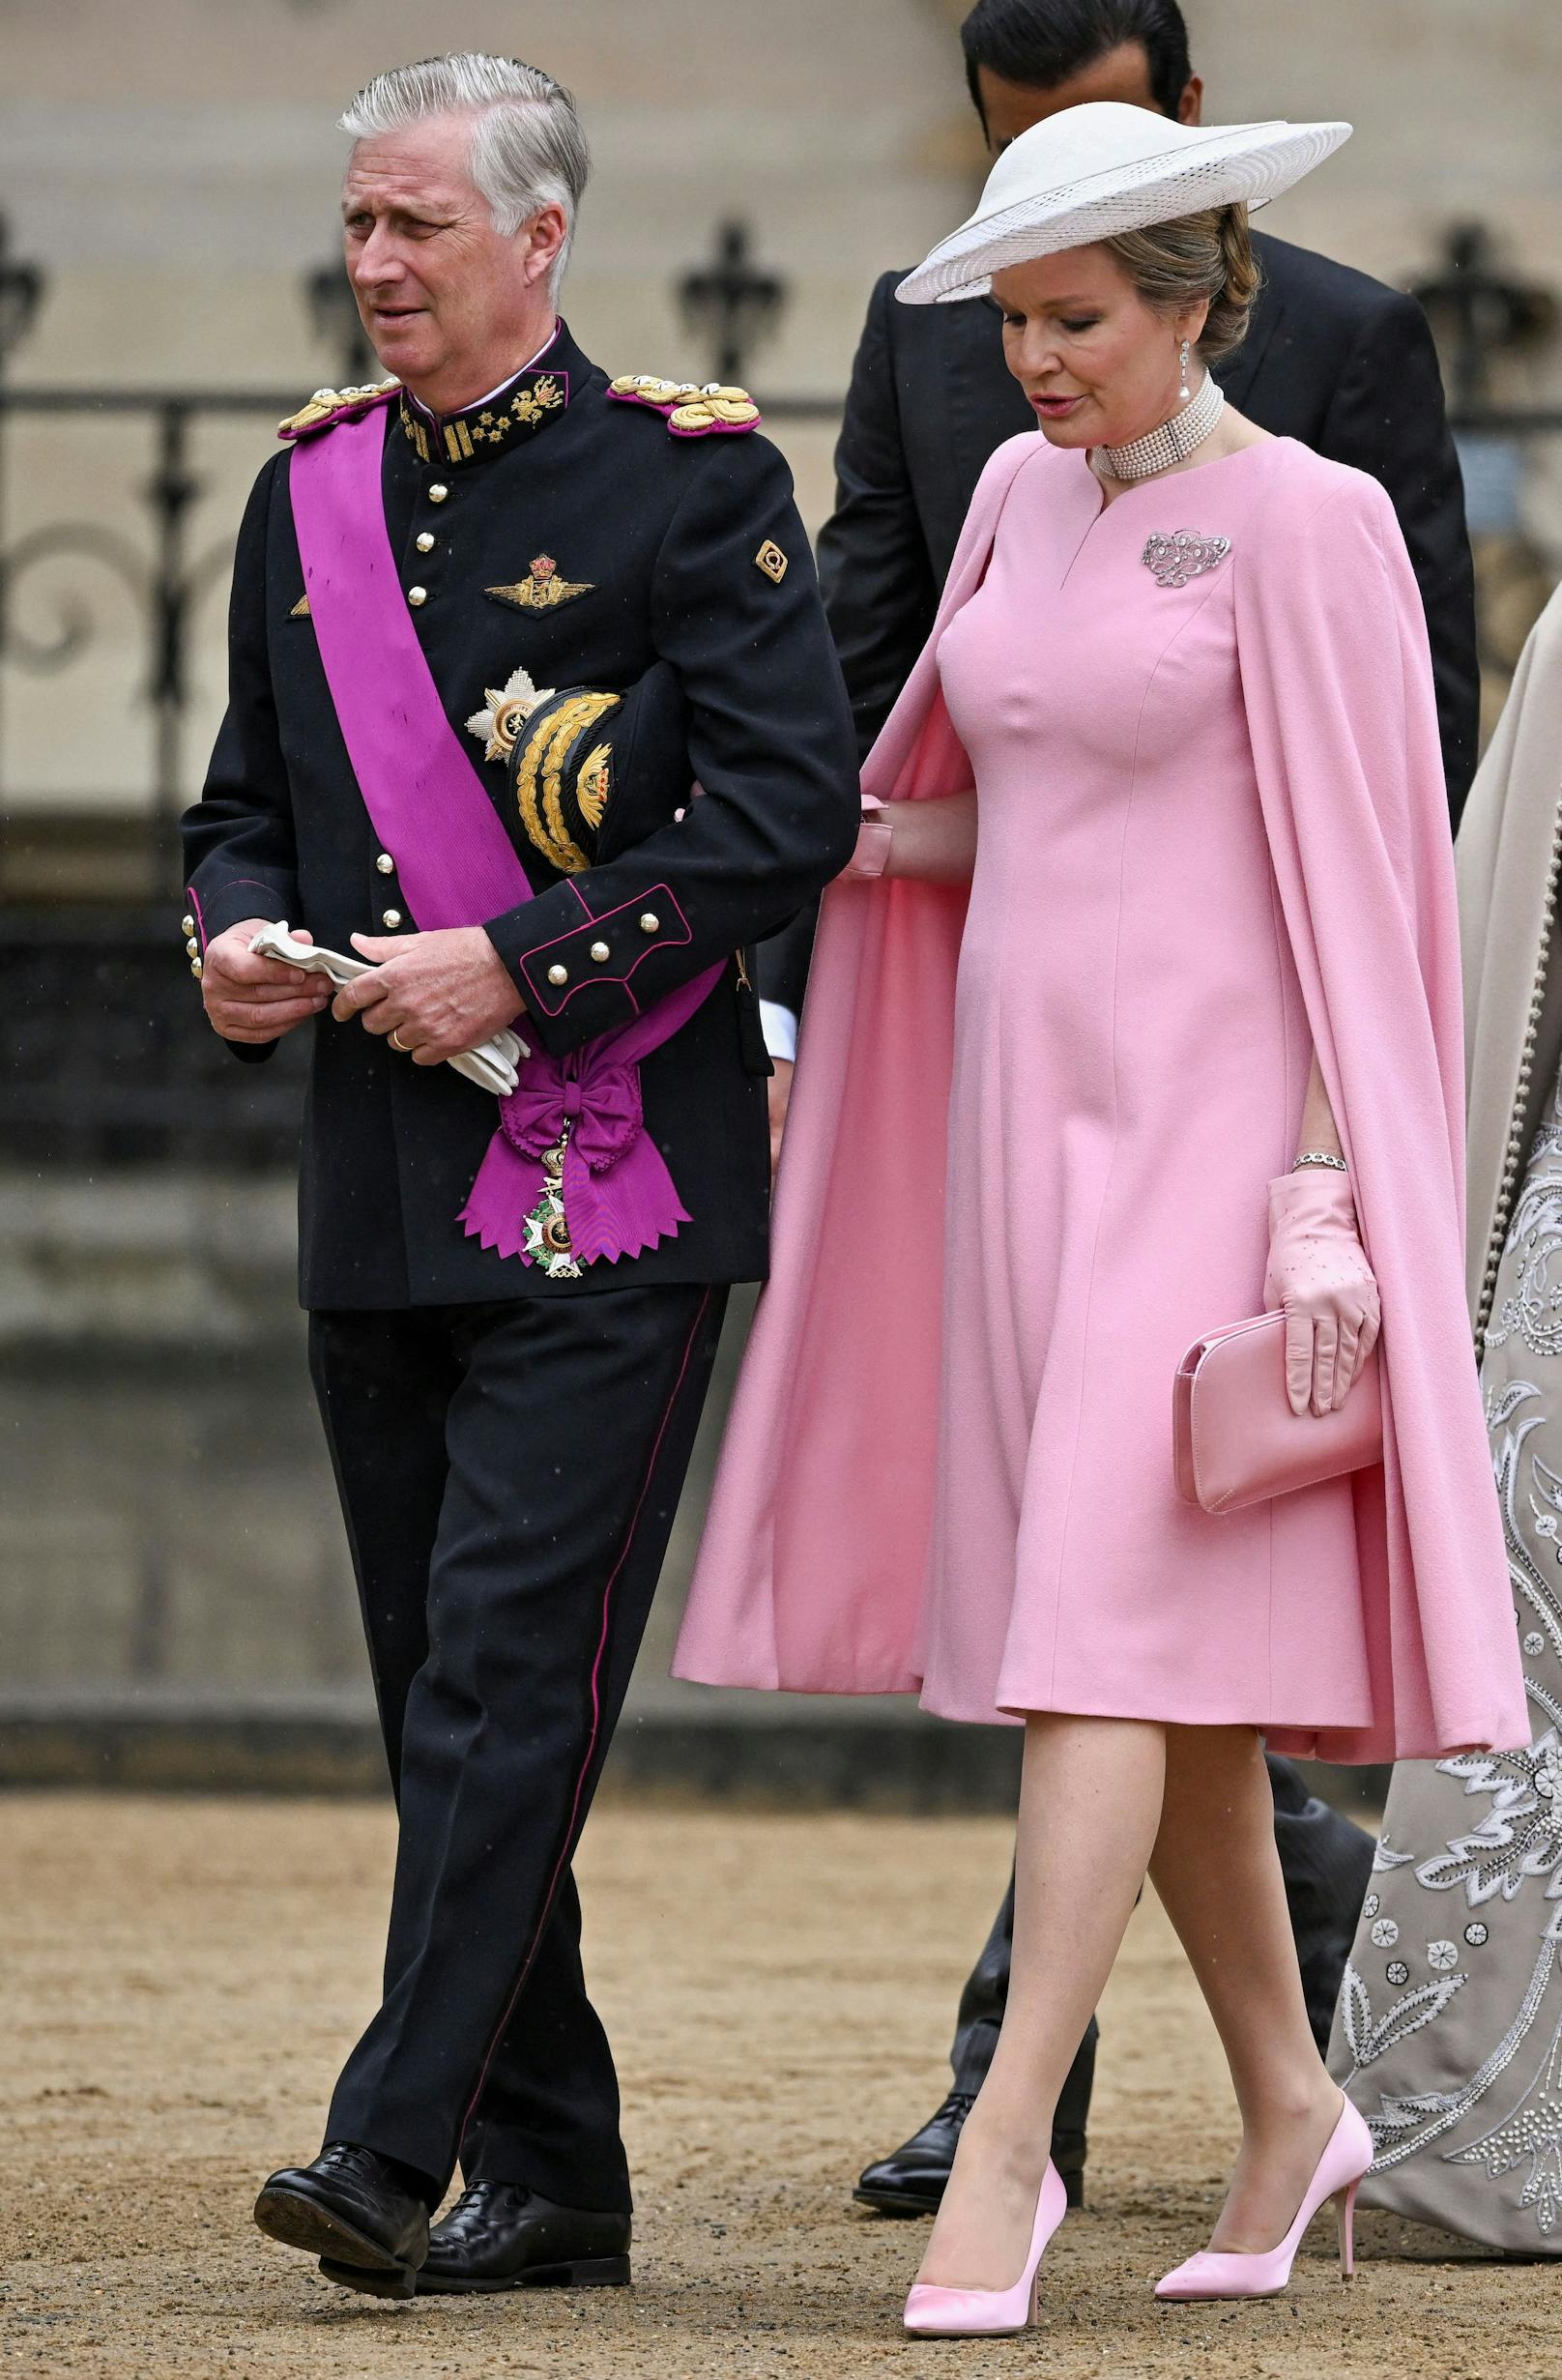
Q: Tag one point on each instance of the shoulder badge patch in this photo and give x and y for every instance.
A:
(689, 412)
(771, 560)
(328, 406)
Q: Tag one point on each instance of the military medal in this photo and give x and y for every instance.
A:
(547, 1228)
(510, 707)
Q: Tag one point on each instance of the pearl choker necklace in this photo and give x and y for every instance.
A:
(1173, 443)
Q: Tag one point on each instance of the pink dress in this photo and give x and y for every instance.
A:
(1131, 1051)
(1031, 1129)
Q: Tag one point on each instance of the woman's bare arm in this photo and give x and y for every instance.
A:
(1319, 1133)
(931, 841)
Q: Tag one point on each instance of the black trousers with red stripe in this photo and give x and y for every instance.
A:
(508, 1475)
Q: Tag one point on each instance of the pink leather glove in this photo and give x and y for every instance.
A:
(1320, 1275)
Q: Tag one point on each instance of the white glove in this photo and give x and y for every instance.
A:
(491, 1065)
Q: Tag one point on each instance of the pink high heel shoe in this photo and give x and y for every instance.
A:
(1218, 2274)
(935, 2312)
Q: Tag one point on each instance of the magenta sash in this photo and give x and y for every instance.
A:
(458, 867)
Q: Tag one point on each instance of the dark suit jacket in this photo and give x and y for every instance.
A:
(1332, 358)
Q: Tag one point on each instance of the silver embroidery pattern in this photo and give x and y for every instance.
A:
(1453, 2052)
(1172, 560)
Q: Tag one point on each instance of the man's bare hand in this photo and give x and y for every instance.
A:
(256, 999)
(780, 1090)
(439, 992)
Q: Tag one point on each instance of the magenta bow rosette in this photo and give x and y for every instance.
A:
(619, 1197)
(551, 1099)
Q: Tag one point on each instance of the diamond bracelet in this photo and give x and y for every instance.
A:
(1320, 1156)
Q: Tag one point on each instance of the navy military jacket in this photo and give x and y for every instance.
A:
(556, 529)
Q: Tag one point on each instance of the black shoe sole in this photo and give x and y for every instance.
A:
(909, 2202)
(896, 2202)
(394, 2281)
(346, 2255)
(583, 2272)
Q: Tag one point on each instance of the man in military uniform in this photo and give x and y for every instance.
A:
(463, 742)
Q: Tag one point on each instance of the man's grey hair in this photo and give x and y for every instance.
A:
(528, 149)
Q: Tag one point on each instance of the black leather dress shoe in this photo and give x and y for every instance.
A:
(500, 2235)
(910, 2179)
(353, 2210)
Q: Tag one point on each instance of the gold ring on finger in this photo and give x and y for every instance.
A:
(397, 1042)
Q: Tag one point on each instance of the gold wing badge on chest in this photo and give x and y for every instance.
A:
(541, 590)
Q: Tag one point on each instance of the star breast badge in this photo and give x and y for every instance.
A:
(510, 707)
(541, 590)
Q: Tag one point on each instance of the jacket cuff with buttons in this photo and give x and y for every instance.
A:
(216, 906)
(582, 970)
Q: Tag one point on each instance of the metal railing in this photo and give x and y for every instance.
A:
(111, 1058)
(167, 571)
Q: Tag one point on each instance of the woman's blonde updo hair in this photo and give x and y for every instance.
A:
(1204, 255)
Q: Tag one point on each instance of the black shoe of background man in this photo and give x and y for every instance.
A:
(910, 2180)
(500, 2235)
(362, 2215)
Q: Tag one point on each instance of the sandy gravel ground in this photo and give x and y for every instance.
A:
(181, 1977)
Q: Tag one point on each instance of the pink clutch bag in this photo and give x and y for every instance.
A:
(1235, 1439)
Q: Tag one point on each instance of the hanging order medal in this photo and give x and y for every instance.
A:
(547, 1228)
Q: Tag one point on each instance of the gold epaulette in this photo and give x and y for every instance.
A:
(689, 412)
(332, 405)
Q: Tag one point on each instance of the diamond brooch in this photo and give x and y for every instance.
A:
(1171, 561)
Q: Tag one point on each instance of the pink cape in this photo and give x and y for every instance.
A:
(812, 1571)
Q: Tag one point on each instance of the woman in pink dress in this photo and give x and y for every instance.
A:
(1172, 1039)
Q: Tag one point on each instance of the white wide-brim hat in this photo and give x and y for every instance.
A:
(1090, 172)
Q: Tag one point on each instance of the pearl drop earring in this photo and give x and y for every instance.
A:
(1184, 392)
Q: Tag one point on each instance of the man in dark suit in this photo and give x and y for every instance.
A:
(1333, 359)
(543, 604)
